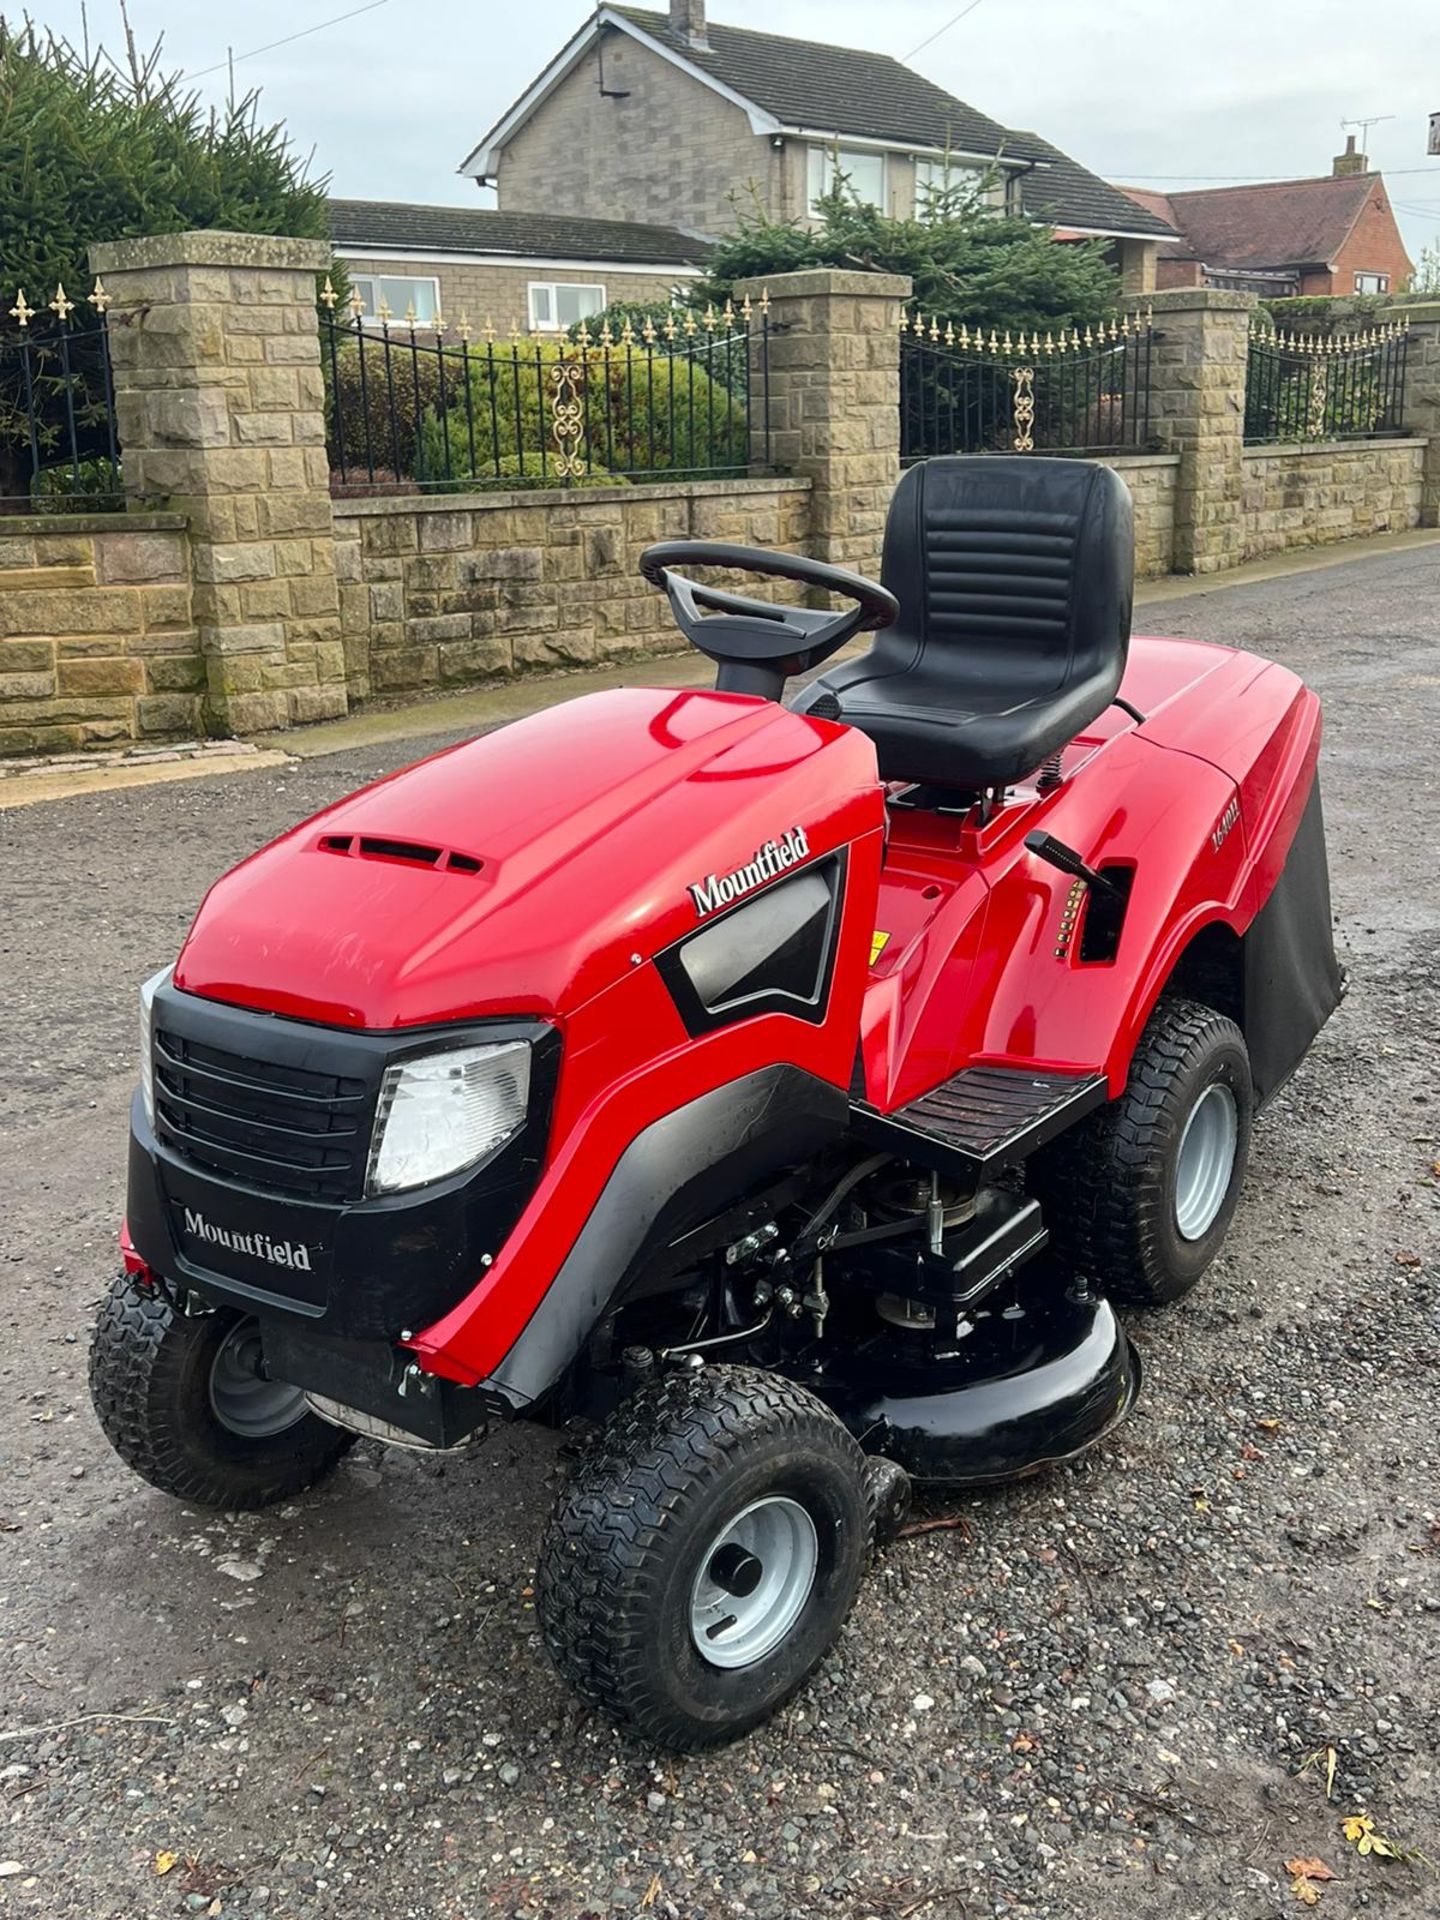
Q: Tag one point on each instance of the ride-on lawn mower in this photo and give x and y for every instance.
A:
(793, 1091)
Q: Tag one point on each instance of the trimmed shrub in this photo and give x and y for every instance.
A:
(638, 413)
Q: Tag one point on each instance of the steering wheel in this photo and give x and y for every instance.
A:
(756, 644)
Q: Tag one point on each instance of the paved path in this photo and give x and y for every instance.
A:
(1110, 1689)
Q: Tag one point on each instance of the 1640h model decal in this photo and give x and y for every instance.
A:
(718, 890)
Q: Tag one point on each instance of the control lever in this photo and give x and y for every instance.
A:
(1055, 852)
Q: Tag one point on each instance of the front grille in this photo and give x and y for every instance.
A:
(285, 1128)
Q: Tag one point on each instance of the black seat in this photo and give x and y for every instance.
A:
(1014, 578)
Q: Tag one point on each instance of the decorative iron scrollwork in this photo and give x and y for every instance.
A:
(567, 414)
(1022, 380)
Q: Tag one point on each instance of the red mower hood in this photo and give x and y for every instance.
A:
(520, 873)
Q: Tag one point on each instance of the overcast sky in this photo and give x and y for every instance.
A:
(393, 98)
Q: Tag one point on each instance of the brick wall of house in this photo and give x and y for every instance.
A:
(671, 151)
(97, 640)
(1373, 246)
(1307, 496)
(498, 294)
(449, 591)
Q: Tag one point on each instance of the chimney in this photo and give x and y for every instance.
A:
(1350, 161)
(687, 23)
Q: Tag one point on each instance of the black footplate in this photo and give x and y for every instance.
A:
(982, 1119)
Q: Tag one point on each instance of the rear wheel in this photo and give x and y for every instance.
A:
(186, 1403)
(705, 1554)
(1140, 1195)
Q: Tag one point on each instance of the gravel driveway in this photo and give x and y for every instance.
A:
(1116, 1688)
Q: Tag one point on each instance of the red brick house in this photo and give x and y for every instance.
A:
(1332, 235)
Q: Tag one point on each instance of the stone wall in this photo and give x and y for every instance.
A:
(1152, 479)
(97, 642)
(460, 588)
(219, 408)
(590, 147)
(1308, 495)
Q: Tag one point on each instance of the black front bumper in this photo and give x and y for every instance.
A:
(332, 1264)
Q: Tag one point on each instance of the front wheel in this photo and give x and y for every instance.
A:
(186, 1403)
(1139, 1196)
(705, 1554)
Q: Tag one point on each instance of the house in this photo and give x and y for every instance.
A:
(669, 117)
(1332, 235)
(535, 272)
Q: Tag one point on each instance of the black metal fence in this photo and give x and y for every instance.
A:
(58, 447)
(1339, 386)
(1065, 392)
(429, 408)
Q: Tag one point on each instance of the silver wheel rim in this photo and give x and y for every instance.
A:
(243, 1400)
(753, 1582)
(1206, 1161)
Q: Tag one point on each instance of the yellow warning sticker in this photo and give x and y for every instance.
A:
(878, 944)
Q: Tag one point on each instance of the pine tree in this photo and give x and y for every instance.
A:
(93, 148)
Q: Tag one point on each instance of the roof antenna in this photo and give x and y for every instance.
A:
(1365, 126)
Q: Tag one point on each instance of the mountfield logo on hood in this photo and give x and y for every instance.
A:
(259, 1246)
(718, 890)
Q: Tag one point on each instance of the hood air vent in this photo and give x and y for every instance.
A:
(411, 853)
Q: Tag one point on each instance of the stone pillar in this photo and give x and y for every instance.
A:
(220, 413)
(1197, 409)
(834, 379)
(1422, 395)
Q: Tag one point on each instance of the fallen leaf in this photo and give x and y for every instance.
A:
(165, 1860)
(651, 1893)
(1405, 1258)
(1237, 1651)
(1311, 1869)
(1305, 1891)
(1268, 1426)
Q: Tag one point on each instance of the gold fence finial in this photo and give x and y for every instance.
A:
(690, 328)
(21, 311)
(99, 298)
(647, 332)
(438, 323)
(584, 337)
(356, 304)
(728, 315)
(745, 309)
(669, 328)
(765, 300)
(463, 329)
(410, 316)
(328, 295)
(382, 312)
(710, 317)
(62, 304)
(607, 339)
(627, 333)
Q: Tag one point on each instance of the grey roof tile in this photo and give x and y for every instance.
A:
(400, 227)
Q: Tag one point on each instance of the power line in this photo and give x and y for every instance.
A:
(964, 11)
(304, 32)
(1251, 179)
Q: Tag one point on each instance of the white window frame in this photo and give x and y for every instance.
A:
(1372, 283)
(550, 288)
(934, 166)
(376, 283)
(821, 167)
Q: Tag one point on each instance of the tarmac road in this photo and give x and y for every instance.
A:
(1119, 1685)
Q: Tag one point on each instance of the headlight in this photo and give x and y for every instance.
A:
(444, 1111)
(147, 1050)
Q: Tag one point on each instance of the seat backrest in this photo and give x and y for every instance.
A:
(1013, 570)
